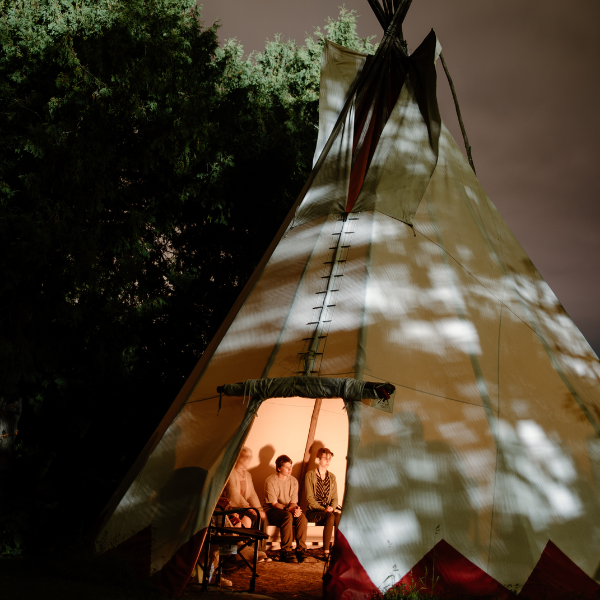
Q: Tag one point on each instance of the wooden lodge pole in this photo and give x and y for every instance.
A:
(309, 442)
(460, 121)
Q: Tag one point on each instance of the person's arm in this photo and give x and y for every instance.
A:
(294, 491)
(310, 492)
(251, 494)
(334, 492)
(253, 497)
(293, 507)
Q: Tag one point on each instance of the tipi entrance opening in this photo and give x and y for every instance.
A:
(282, 427)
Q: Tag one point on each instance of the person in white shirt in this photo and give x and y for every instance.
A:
(239, 488)
(281, 506)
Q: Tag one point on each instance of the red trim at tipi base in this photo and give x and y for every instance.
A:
(346, 578)
(554, 577)
(173, 577)
(557, 576)
(453, 575)
(458, 576)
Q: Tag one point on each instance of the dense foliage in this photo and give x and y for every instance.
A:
(143, 172)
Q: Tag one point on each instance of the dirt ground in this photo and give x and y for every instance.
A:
(277, 580)
(42, 580)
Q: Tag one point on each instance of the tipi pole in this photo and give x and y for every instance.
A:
(389, 21)
(378, 13)
(309, 442)
(462, 125)
(310, 357)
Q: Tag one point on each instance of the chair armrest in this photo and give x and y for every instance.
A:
(233, 510)
(241, 532)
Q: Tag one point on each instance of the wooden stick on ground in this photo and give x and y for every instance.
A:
(462, 125)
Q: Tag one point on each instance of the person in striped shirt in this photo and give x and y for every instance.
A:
(322, 498)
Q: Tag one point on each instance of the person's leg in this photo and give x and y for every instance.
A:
(300, 525)
(314, 516)
(284, 520)
(249, 519)
(246, 522)
(331, 520)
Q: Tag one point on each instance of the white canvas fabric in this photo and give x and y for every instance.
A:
(403, 160)
(402, 163)
(339, 68)
(329, 190)
(492, 442)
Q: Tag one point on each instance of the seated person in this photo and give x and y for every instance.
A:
(281, 506)
(239, 488)
(322, 497)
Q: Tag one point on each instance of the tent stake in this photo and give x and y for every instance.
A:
(462, 125)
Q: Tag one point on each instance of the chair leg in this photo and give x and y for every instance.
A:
(243, 557)
(218, 570)
(207, 566)
(253, 579)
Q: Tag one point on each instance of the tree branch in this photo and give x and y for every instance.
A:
(23, 106)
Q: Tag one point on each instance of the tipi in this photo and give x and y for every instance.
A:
(394, 266)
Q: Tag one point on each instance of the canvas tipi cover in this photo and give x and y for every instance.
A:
(486, 465)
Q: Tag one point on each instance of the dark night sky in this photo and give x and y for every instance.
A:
(527, 75)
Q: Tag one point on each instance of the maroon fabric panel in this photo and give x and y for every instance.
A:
(346, 578)
(137, 552)
(364, 120)
(458, 576)
(359, 169)
(384, 92)
(557, 576)
(173, 577)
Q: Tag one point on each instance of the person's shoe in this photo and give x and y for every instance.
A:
(224, 582)
(288, 557)
(262, 557)
(303, 557)
(248, 554)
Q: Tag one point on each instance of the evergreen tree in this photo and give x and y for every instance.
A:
(143, 172)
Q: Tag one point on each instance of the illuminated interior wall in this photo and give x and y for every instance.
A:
(281, 427)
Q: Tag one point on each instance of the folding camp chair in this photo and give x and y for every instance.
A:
(226, 538)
